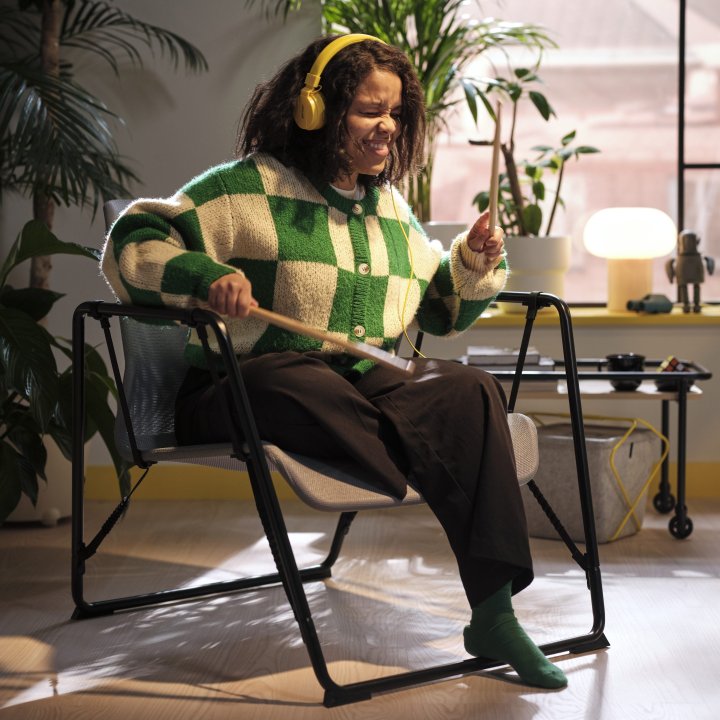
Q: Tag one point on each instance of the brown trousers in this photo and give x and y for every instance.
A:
(444, 430)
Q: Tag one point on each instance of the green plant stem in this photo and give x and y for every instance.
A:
(511, 170)
(508, 151)
(424, 206)
(418, 193)
(556, 200)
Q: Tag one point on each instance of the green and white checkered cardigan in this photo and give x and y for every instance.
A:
(337, 264)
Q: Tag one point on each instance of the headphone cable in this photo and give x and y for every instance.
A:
(412, 277)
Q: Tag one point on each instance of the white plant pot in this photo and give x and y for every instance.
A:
(54, 496)
(537, 264)
(445, 232)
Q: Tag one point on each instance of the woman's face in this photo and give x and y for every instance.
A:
(373, 124)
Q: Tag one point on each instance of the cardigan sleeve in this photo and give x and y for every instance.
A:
(462, 287)
(161, 251)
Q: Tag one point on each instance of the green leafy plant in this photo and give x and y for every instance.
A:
(522, 189)
(57, 147)
(35, 394)
(440, 43)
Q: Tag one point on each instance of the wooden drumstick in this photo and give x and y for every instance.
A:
(494, 176)
(358, 349)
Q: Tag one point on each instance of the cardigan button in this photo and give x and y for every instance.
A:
(359, 331)
(357, 209)
(363, 268)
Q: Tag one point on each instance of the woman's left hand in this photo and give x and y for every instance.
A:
(480, 240)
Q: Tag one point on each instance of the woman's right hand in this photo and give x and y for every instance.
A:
(479, 239)
(231, 295)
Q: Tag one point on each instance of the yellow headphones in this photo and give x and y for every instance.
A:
(310, 106)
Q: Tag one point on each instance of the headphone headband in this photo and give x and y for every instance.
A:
(309, 111)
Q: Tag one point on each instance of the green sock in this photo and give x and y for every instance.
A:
(495, 633)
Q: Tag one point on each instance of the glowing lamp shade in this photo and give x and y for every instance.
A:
(629, 237)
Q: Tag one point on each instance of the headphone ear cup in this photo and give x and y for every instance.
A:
(310, 109)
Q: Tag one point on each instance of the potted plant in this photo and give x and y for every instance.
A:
(524, 195)
(56, 147)
(522, 189)
(441, 44)
(35, 394)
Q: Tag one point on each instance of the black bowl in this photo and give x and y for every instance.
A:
(669, 385)
(625, 385)
(625, 362)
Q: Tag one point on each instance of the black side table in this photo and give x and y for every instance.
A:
(594, 383)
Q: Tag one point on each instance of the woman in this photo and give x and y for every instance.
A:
(308, 223)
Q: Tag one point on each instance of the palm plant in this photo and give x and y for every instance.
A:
(441, 44)
(56, 137)
(57, 147)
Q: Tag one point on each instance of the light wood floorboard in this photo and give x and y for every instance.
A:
(394, 603)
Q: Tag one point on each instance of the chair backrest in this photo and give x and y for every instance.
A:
(155, 366)
(112, 210)
(154, 370)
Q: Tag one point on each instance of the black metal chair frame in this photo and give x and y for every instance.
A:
(251, 453)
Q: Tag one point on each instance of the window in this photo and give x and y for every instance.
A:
(614, 80)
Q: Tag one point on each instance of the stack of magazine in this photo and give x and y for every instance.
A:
(504, 360)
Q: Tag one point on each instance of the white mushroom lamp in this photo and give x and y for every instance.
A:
(629, 237)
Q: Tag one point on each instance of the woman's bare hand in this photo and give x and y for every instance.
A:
(480, 240)
(231, 295)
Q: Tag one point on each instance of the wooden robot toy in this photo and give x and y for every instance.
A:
(689, 269)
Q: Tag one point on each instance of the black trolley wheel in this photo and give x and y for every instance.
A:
(680, 531)
(664, 503)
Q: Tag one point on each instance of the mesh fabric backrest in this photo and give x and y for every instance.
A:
(112, 210)
(525, 446)
(154, 369)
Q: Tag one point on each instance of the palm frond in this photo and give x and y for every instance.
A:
(19, 33)
(59, 139)
(277, 7)
(55, 137)
(95, 26)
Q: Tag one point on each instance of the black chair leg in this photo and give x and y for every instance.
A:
(342, 529)
(591, 560)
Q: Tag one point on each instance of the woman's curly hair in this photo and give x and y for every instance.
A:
(268, 126)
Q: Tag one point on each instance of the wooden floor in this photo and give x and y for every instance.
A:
(394, 603)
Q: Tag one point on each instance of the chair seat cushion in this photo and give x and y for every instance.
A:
(338, 486)
(330, 487)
